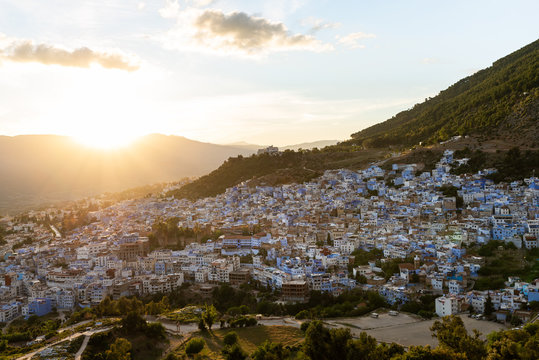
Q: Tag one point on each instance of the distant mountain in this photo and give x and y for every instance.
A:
(501, 101)
(246, 145)
(41, 168)
(305, 146)
(310, 145)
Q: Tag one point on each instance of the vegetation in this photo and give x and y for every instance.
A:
(479, 103)
(248, 340)
(511, 165)
(321, 343)
(427, 157)
(289, 166)
(166, 233)
(503, 260)
(26, 330)
(194, 346)
(425, 307)
(135, 339)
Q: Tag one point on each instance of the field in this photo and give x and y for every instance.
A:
(249, 338)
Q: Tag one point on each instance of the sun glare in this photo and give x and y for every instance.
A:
(105, 140)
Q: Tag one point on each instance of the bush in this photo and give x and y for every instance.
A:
(230, 338)
(303, 314)
(155, 331)
(194, 346)
(251, 321)
(425, 314)
(304, 326)
(50, 334)
(234, 352)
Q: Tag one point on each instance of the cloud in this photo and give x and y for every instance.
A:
(430, 61)
(319, 24)
(26, 51)
(236, 32)
(202, 3)
(352, 40)
(171, 9)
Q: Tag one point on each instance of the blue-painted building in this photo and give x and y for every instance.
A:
(40, 307)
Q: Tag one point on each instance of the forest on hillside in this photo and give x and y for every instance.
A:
(477, 104)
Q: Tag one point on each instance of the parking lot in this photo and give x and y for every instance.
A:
(406, 329)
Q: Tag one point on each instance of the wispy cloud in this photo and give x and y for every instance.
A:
(430, 60)
(235, 32)
(319, 24)
(27, 51)
(352, 40)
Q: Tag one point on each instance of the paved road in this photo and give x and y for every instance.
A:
(189, 328)
(78, 355)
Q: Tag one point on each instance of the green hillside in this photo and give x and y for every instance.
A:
(290, 166)
(487, 102)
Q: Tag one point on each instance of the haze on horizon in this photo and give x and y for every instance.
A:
(267, 72)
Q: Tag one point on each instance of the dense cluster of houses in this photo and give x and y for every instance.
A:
(300, 237)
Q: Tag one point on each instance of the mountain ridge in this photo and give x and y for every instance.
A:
(44, 168)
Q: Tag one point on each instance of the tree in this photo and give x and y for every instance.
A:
(452, 335)
(119, 350)
(234, 352)
(133, 322)
(194, 346)
(209, 315)
(362, 279)
(428, 353)
(317, 340)
(339, 339)
(270, 351)
(489, 307)
(361, 348)
(514, 344)
(230, 338)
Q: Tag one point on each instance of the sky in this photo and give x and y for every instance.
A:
(261, 71)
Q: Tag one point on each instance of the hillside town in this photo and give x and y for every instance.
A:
(293, 238)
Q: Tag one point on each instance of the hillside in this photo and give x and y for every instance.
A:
(43, 168)
(500, 101)
(497, 105)
(289, 166)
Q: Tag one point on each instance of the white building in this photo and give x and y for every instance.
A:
(447, 306)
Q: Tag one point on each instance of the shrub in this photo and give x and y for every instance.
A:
(194, 346)
(304, 326)
(230, 338)
(251, 321)
(303, 314)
